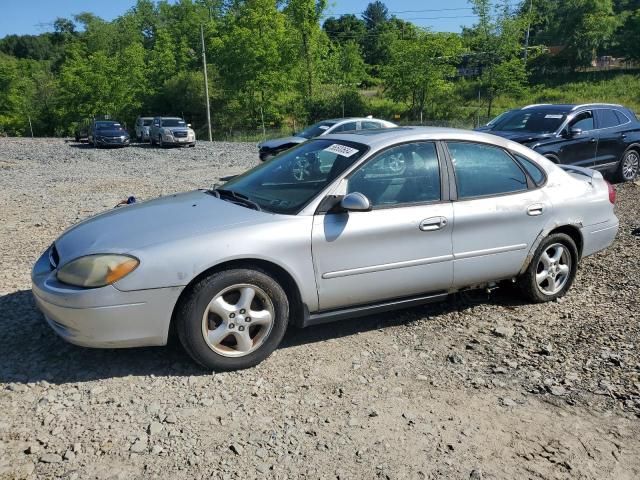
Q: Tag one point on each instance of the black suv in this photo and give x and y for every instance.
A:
(596, 135)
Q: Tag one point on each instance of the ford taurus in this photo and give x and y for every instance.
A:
(340, 226)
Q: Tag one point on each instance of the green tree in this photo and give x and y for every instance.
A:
(421, 69)
(496, 49)
(304, 19)
(345, 28)
(252, 59)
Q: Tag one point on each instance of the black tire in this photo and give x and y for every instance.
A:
(527, 282)
(190, 318)
(151, 141)
(628, 167)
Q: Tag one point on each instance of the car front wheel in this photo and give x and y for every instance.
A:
(552, 269)
(233, 319)
(629, 166)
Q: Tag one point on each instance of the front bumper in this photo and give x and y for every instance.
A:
(178, 141)
(103, 317)
(112, 142)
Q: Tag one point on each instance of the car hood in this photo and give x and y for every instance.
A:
(162, 220)
(278, 142)
(520, 137)
(111, 133)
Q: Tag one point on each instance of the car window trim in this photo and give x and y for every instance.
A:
(444, 185)
(454, 185)
(615, 126)
(445, 190)
(534, 185)
(565, 124)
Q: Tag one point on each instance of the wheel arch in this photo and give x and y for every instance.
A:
(570, 229)
(280, 274)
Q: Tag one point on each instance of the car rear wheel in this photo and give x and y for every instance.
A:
(629, 166)
(552, 269)
(233, 319)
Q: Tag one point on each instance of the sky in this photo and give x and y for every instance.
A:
(37, 16)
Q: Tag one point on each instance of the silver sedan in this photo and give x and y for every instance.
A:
(340, 226)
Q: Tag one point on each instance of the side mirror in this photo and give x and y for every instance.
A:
(355, 202)
(574, 132)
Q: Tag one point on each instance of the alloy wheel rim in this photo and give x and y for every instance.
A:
(238, 320)
(630, 166)
(553, 269)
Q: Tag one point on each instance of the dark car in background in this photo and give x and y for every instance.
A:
(601, 136)
(108, 133)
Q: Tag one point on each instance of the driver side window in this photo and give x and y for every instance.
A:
(405, 174)
(583, 121)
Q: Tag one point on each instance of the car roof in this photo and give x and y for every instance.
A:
(351, 119)
(381, 137)
(569, 107)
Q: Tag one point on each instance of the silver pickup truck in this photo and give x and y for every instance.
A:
(167, 131)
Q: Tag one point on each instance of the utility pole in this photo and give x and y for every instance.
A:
(526, 39)
(206, 82)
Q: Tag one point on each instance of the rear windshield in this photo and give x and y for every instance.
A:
(536, 121)
(315, 130)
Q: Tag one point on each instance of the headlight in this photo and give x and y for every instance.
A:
(97, 270)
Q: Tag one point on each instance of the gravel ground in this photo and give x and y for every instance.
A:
(482, 386)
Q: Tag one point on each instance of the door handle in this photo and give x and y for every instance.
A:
(593, 140)
(623, 135)
(535, 210)
(433, 223)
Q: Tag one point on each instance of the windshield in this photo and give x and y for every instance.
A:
(536, 121)
(173, 122)
(147, 122)
(289, 181)
(498, 118)
(315, 130)
(108, 126)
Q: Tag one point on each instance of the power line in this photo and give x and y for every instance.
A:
(424, 10)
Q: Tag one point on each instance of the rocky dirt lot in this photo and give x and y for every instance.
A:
(482, 386)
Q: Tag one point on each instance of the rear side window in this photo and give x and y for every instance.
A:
(345, 127)
(608, 118)
(484, 170)
(368, 125)
(534, 171)
(622, 118)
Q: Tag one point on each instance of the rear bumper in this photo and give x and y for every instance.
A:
(103, 317)
(599, 236)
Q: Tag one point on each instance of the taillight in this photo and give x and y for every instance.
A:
(612, 193)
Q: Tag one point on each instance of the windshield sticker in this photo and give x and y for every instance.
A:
(341, 150)
(324, 127)
(553, 116)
